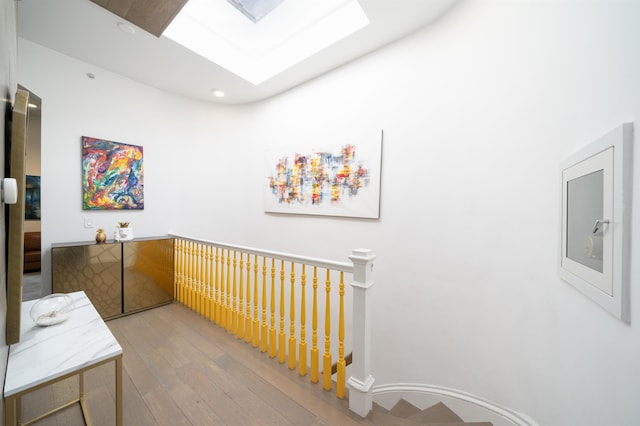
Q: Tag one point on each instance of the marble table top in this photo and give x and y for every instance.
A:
(46, 353)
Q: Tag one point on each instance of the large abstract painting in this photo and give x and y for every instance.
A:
(112, 175)
(342, 179)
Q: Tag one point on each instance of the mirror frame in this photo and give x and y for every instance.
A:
(609, 288)
(15, 232)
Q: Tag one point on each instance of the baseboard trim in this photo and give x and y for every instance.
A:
(507, 414)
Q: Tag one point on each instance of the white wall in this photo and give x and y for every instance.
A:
(478, 111)
(171, 129)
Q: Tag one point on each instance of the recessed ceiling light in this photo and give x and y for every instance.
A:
(292, 32)
(218, 93)
(126, 28)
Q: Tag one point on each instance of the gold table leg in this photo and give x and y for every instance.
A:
(119, 410)
(10, 411)
(13, 404)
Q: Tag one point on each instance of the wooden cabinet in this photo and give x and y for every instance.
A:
(118, 277)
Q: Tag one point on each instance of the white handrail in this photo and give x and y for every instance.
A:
(321, 263)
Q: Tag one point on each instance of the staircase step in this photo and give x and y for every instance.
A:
(404, 409)
(379, 418)
(436, 413)
(406, 414)
(459, 424)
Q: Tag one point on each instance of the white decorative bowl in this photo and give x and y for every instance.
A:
(52, 309)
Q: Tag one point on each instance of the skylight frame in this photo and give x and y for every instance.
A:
(294, 31)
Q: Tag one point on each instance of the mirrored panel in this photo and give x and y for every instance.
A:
(584, 208)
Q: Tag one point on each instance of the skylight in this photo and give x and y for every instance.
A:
(292, 32)
(255, 9)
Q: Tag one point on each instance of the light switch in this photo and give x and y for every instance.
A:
(88, 222)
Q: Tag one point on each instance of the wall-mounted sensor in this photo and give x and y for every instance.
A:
(9, 189)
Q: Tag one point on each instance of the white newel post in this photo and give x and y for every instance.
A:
(361, 380)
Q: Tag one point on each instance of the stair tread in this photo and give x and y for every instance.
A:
(388, 420)
(406, 414)
(404, 409)
(458, 424)
(436, 413)
(379, 418)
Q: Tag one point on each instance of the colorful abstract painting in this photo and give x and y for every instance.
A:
(112, 175)
(343, 180)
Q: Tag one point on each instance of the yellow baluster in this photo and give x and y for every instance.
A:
(256, 317)
(273, 346)
(194, 275)
(203, 289)
(282, 337)
(240, 332)
(190, 275)
(217, 287)
(203, 279)
(199, 286)
(326, 358)
(192, 278)
(205, 283)
(223, 293)
(263, 323)
(292, 321)
(302, 363)
(248, 335)
(195, 271)
(314, 331)
(177, 280)
(185, 272)
(342, 365)
(210, 285)
(183, 259)
(234, 306)
(176, 268)
(228, 309)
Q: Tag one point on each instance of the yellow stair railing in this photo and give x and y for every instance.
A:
(244, 291)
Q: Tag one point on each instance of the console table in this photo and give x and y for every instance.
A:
(119, 278)
(46, 355)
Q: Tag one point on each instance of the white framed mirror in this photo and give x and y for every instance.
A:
(596, 207)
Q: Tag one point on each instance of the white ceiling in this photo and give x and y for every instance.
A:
(86, 31)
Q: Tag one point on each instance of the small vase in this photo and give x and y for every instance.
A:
(101, 237)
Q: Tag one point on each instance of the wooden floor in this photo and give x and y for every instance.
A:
(181, 369)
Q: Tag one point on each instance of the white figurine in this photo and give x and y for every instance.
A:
(124, 232)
